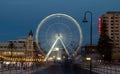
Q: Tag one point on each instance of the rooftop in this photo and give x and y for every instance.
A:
(113, 12)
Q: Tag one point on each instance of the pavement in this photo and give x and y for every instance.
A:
(21, 71)
(63, 69)
(14, 71)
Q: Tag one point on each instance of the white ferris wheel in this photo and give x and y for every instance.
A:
(61, 32)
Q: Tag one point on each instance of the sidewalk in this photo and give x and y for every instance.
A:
(13, 72)
(21, 71)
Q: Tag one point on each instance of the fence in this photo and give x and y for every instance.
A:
(17, 69)
(103, 68)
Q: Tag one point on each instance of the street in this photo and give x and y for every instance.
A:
(59, 69)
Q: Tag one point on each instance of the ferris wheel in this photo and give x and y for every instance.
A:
(59, 31)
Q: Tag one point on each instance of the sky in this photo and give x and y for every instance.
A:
(17, 17)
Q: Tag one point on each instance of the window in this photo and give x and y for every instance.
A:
(116, 20)
(104, 21)
(112, 17)
(117, 37)
(117, 44)
(112, 27)
(112, 21)
(111, 33)
(116, 30)
(116, 34)
(117, 41)
(117, 24)
(116, 17)
(111, 24)
(116, 27)
(111, 30)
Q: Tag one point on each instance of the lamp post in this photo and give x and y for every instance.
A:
(85, 21)
(89, 59)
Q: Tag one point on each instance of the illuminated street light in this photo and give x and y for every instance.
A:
(85, 21)
(89, 59)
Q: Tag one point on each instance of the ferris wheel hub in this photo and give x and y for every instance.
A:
(59, 36)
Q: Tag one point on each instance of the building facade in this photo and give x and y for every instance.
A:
(112, 22)
(20, 48)
(90, 51)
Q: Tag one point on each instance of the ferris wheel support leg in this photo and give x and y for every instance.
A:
(75, 53)
(51, 49)
(65, 48)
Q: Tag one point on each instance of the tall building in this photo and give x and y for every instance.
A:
(112, 22)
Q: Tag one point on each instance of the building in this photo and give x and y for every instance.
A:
(17, 50)
(112, 21)
(90, 51)
(21, 48)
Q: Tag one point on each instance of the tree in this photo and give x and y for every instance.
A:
(105, 45)
(11, 46)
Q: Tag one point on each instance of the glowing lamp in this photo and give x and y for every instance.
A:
(88, 58)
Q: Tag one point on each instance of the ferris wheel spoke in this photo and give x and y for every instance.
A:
(65, 48)
(51, 49)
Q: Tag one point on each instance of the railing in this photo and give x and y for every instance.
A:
(14, 69)
(107, 69)
(103, 68)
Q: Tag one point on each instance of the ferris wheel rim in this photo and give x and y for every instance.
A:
(67, 16)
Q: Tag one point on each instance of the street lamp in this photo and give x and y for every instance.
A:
(89, 59)
(85, 21)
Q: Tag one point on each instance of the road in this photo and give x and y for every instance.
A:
(59, 69)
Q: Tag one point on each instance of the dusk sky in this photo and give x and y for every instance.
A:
(17, 17)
